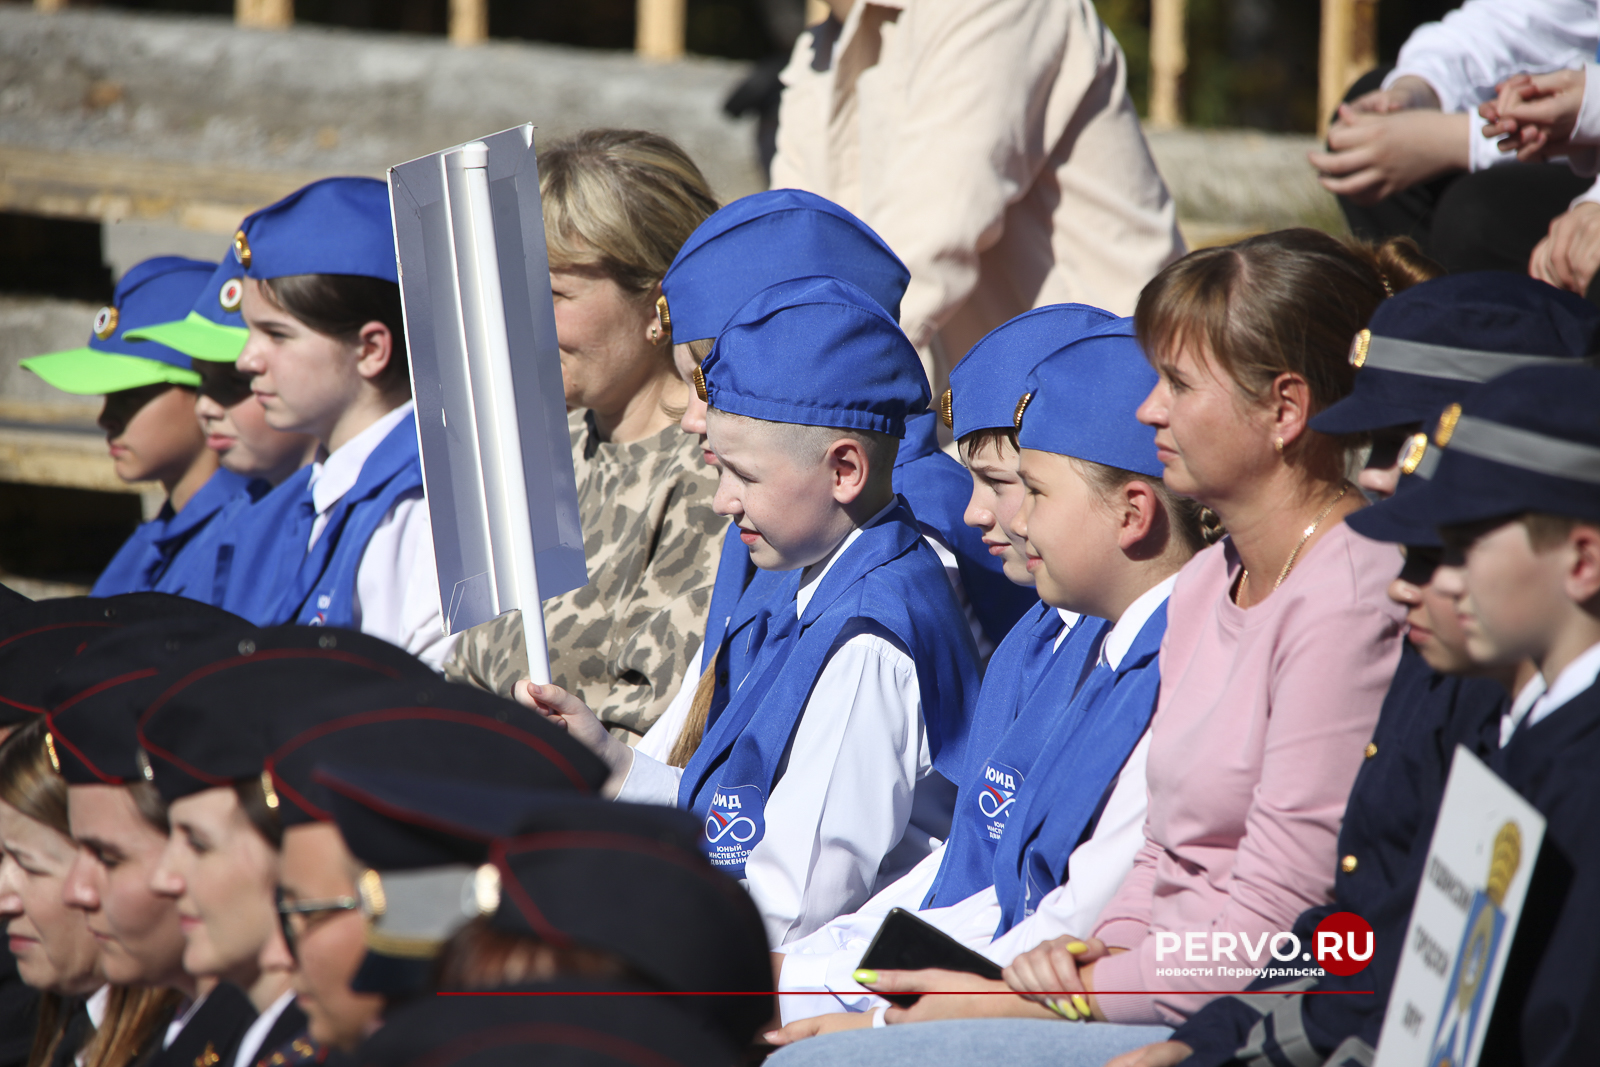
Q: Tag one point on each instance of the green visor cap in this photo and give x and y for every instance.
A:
(196, 337)
(86, 371)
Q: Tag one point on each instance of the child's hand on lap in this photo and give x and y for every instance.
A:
(574, 716)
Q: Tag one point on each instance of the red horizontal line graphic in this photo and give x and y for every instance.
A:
(919, 992)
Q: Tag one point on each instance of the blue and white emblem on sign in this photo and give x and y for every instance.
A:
(997, 796)
(736, 821)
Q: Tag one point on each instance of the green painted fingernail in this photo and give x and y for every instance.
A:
(866, 977)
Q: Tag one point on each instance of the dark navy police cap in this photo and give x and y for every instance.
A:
(571, 876)
(97, 698)
(429, 727)
(767, 238)
(1081, 402)
(426, 841)
(1427, 346)
(214, 724)
(816, 352)
(49, 634)
(1398, 526)
(567, 1022)
(985, 385)
(1528, 441)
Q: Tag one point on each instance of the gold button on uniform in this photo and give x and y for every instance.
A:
(1372, 749)
(1348, 865)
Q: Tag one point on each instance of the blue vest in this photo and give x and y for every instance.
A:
(163, 545)
(194, 573)
(1028, 685)
(939, 489)
(1073, 773)
(322, 591)
(261, 549)
(890, 576)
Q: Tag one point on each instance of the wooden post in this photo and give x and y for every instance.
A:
(264, 14)
(1349, 49)
(469, 21)
(1168, 58)
(659, 33)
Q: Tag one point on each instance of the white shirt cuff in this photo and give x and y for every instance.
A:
(1590, 195)
(650, 781)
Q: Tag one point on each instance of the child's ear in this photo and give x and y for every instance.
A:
(849, 469)
(1142, 515)
(1583, 579)
(374, 349)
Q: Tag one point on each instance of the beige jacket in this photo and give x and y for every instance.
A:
(993, 145)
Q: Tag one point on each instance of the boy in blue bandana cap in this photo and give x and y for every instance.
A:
(346, 541)
(729, 259)
(150, 423)
(825, 773)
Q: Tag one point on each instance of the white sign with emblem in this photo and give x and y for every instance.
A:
(1473, 885)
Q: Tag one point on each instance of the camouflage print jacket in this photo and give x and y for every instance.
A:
(622, 642)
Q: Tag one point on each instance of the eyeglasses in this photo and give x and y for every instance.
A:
(288, 909)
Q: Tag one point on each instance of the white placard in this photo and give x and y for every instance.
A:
(1476, 878)
(486, 375)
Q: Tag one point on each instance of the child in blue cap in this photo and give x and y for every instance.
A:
(784, 234)
(347, 541)
(149, 419)
(826, 773)
(1048, 824)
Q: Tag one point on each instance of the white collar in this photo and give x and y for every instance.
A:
(1071, 619)
(1537, 701)
(250, 1045)
(812, 577)
(1121, 637)
(96, 1005)
(185, 1012)
(335, 476)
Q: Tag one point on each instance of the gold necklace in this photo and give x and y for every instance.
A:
(1288, 564)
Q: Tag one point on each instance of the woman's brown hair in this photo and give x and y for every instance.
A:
(30, 784)
(620, 202)
(1284, 302)
(478, 956)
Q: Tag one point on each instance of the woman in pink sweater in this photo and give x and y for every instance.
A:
(1279, 649)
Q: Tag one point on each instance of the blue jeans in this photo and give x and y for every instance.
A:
(963, 1042)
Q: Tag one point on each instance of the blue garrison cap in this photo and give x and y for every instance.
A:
(1526, 441)
(214, 329)
(767, 238)
(985, 385)
(1082, 399)
(1428, 346)
(332, 226)
(153, 291)
(817, 352)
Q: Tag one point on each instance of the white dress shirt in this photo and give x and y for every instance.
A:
(859, 804)
(1472, 49)
(827, 959)
(250, 1044)
(397, 583)
(1536, 700)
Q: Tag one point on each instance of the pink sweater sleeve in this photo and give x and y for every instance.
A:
(1331, 669)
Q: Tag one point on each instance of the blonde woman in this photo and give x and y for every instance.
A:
(618, 204)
